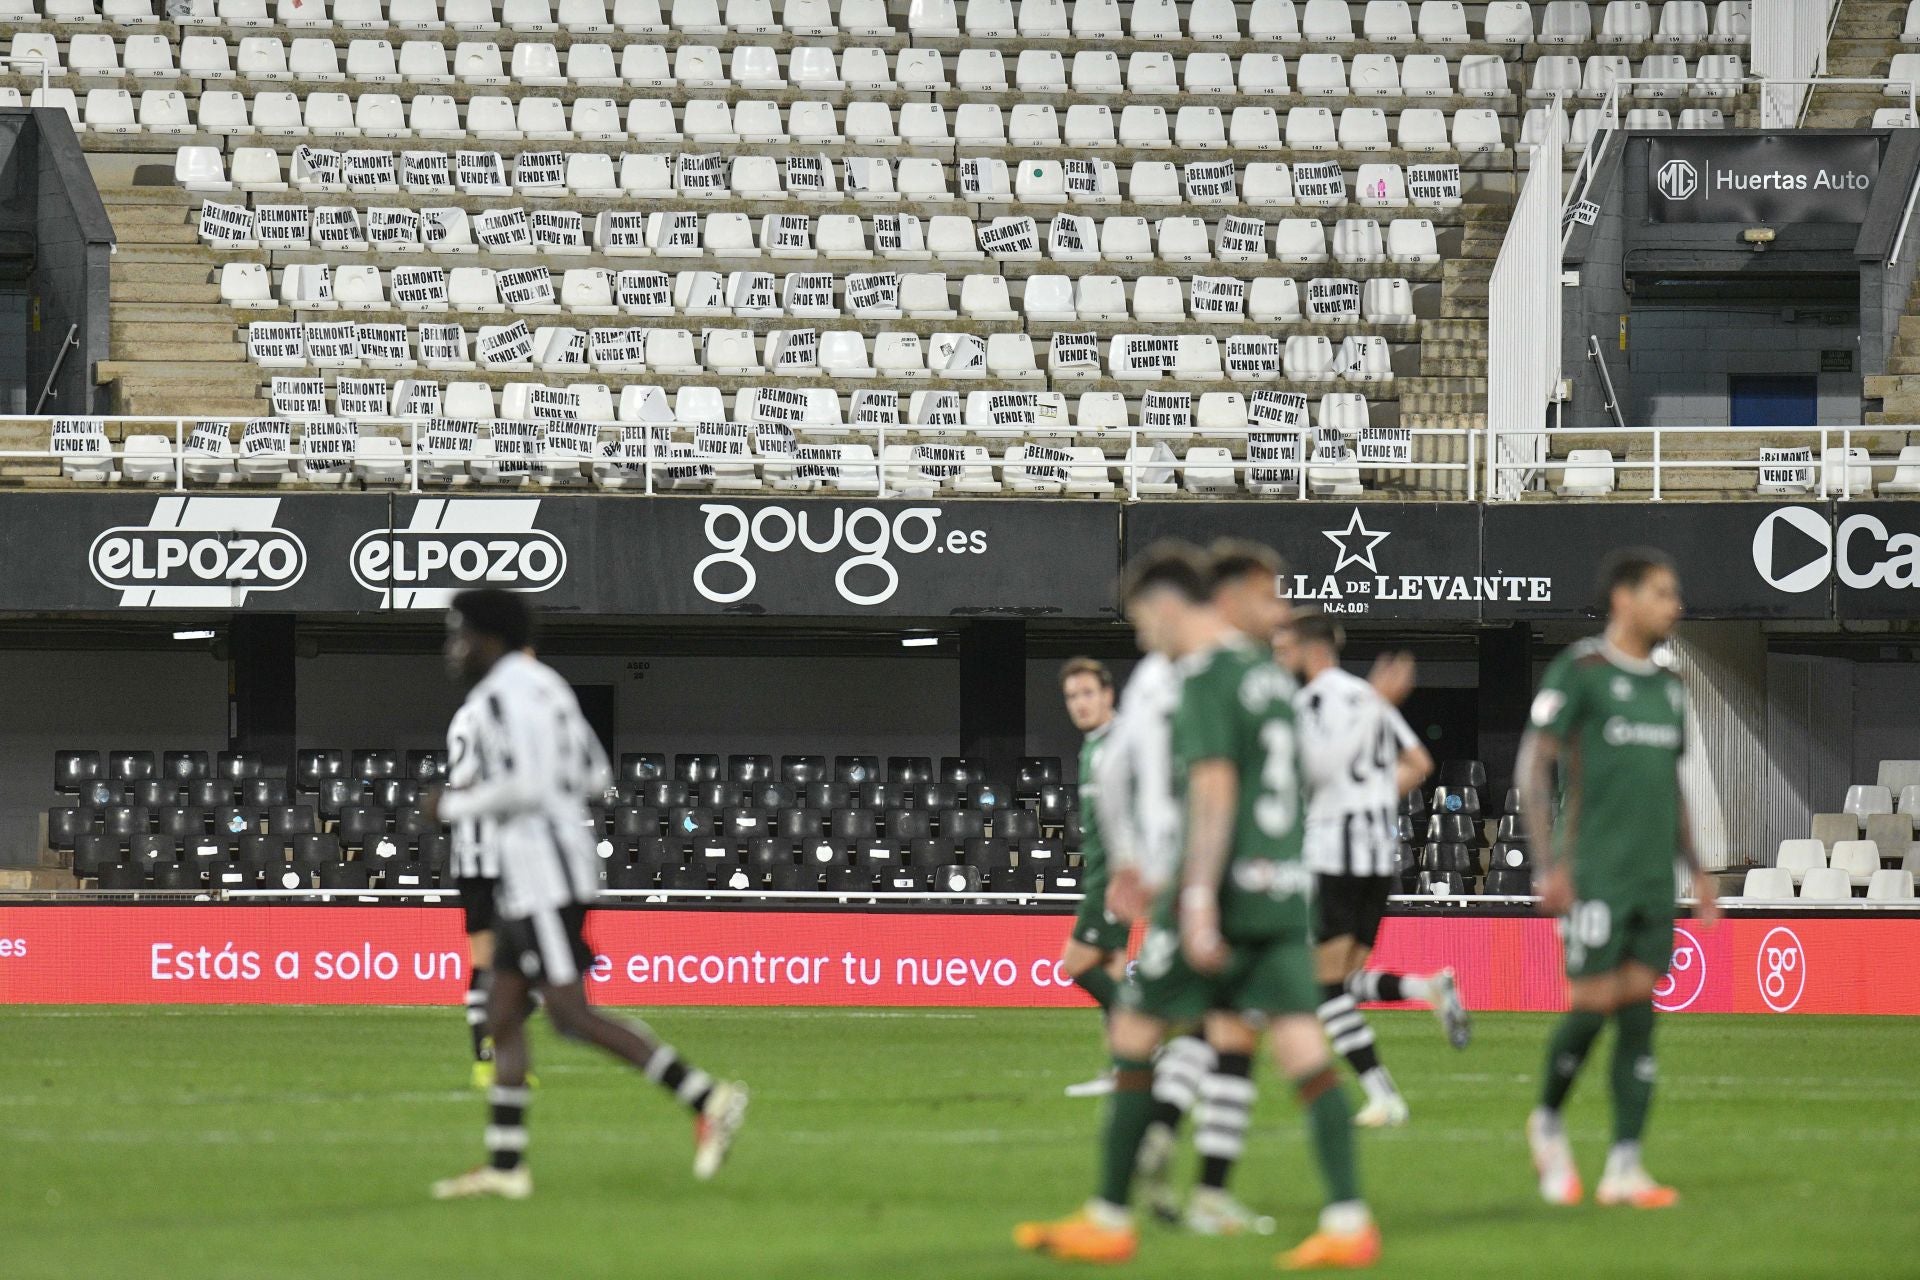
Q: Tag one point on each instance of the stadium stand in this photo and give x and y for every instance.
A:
(534, 214)
(188, 821)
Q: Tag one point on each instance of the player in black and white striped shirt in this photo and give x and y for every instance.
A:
(1360, 758)
(476, 870)
(535, 763)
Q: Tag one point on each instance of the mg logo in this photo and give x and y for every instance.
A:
(1781, 969)
(1686, 975)
(1677, 180)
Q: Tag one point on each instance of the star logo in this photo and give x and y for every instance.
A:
(1356, 543)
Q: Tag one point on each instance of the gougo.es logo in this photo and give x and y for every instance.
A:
(866, 577)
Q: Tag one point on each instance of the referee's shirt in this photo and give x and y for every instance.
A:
(536, 764)
(1350, 744)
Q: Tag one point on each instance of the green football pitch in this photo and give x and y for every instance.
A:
(255, 1143)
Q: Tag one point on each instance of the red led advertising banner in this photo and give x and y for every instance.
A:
(417, 955)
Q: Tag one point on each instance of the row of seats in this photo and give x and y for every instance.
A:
(1260, 183)
(1382, 21)
(1330, 468)
(1827, 884)
(1859, 859)
(821, 68)
(491, 117)
(1592, 473)
(801, 353)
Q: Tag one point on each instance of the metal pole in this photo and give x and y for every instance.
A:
(179, 462)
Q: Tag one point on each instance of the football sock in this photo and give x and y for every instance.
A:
(1352, 1038)
(1567, 1048)
(479, 991)
(507, 1127)
(1633, 1070)
(1129, 1111)
(688, 1084)
(1376, 984)
(1224, 1115)
(1099, 984)
(1622, 1159)
(1176, 1078)
(1330, 1130)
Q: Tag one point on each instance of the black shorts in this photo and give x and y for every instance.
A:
(1350, 906)
(476, 901)
(548, 948)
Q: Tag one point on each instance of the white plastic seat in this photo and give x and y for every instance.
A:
(1152, 73)
(1718, 75)
(1626, 22)
(980, 71)
(1477, 130)
(1358, 240)
(1797, 857)
(1095, 71)
(1042, 19)
(1649, 118)
(1423, 129)
(124, 13)
(861, 68)
(1555, 75)
(243, 13)
(929, 18)
(1826, 884)
(1199, 128)
(422, 62)
(93, 56)
(1425, 75)
(110, 111)
(202, 57)
(1144, 126)
(373, 60)
(380, 115)
(1212, 20)
(1363, 129)
(222, 111)
(1767, 884)
(1327, 20)
(1154, 20)
(1386, 300)
(924, 124)
(1311, 129)
(921, 70)
(1890, 884)
(1375, 75)
(752, 17)
(1846, 471)
(1733, 22)
(1089, 125)
(991, 19)
(149, 57)
(1566, 22)
(535, 62)
(1482, 75)
(588, 17)
(314, 58)
(1320, 75)
(1682, 22)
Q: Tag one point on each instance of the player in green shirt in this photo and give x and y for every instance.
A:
(1230, 938)
(1614, 717)
(1096, 950)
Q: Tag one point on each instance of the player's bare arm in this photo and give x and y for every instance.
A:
(1538, 753)
(1213, 789)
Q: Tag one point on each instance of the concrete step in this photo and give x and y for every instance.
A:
(176, 352)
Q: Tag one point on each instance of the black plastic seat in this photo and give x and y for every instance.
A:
(934, 796)
(689, 822)
(153, 848)
(1512, 856)
(263, 793)
(624, 874)
(321, 847)
(73, 770)
(183, 823)
(853, 824)
(66, 824)
(766, 853)
(1443, 883)
(229, 874)
(426, 766)
(237, 766)
(185, 766)
(101, 793)
(334, 795)
(1016, 824)
(207, 848)
(407, 873)
(313, 766)
(345, 875)
(904, 826)
(260, 852)
(94, 853)
(740, 824)
(799, 824)
(961, 771)
(1457, 800)
(234, 821)
(359, 825)
(856, 771)
(630, 822)
(928, 854)
(662, 793)
(1463, 773)
(718, 794)
(692, 877)
(1446, 856)
(988, 853)
(435, 848)
(1041, 854)
(1061, 880)
(1507, 880)
(750, 770)
(211, 793)
(180, 877)
(957, 878)
(820, 853)
(878, 854)
(770, 796)
(902, 879)
(637, 767)
(124, 822)
(154, 793)
(1453, 828)
(130, 766)
(1414, 804)
(395, 793)
(801, 772)
(883, 795)
(828, 796)
(1511, 829)
(962, 824)
(696, 767)
(1072, 832)
(374, 764)
(909, 771)
(410, 823)
(1056, 801)
(792, 879)
(848, 880)
(124, 878)
(988, 795)
(1036, 772)
(1510, 804)
(292, 820)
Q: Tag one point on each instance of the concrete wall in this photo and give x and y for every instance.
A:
(1680, 358)
(70, 281)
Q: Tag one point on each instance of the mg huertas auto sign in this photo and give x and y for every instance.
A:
(1358, 581)
(1776, 178)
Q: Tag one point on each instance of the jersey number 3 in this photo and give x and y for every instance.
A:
(1279, 801)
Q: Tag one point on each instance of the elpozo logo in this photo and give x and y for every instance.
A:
(866, 577)
(196, 552)
(452, 545)
(1677, 180)
(1796, 549)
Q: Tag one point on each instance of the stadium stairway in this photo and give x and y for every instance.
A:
(1865, 40)
(1898, 390)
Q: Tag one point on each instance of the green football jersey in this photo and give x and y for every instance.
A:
(1622, 726)
(1093, 854)
(1237, 705)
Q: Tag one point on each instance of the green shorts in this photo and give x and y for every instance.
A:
(1273, 976)
(1601, 934)
(1094, 927)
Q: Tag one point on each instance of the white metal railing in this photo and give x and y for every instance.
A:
(656, 470)
(28, 64)
(1523, 316)
(1652, 445)
(1788, 46)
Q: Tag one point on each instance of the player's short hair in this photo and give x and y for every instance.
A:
(1231, 559)
(504, 615)
(1628, 567)
(1173, 565)
(1085, 666)
(1318, 627)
